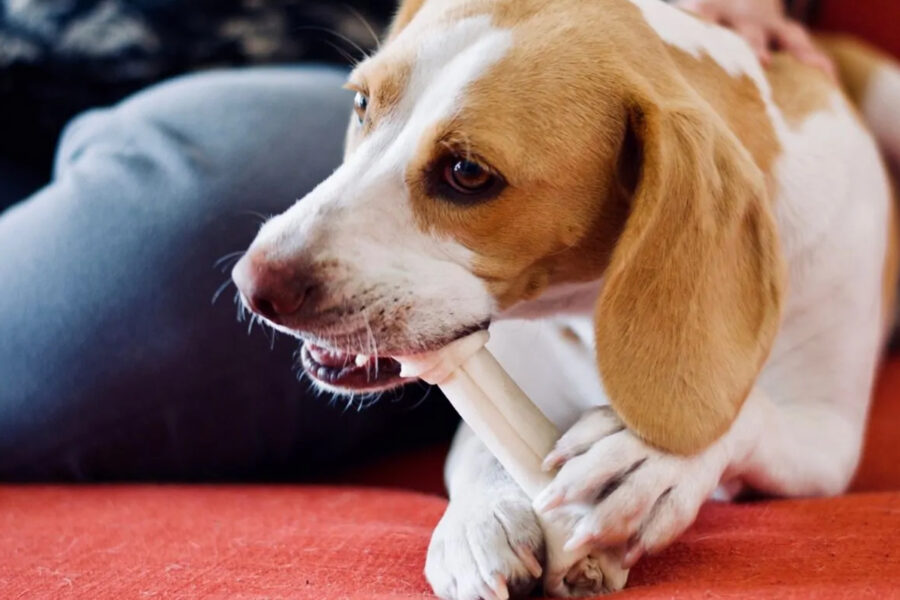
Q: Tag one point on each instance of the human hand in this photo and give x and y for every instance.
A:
(765, 26)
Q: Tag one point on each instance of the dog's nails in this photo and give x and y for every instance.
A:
(553, 460)
(548, 500)
(487, 591)
(633, 555)
(499, 588)
(530, 561)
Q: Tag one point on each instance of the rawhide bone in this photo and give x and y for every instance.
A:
(519, 436)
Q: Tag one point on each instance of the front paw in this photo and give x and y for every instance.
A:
(633, 496)
(488, 548)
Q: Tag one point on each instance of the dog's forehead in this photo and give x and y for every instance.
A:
(420, 79)
(451, 60)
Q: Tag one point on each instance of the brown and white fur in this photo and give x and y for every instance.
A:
(690, 264)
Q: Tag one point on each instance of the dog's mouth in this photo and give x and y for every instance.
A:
(344, 371)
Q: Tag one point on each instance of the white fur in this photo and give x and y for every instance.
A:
(489, 531)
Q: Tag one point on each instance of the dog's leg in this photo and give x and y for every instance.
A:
(489, 540)
(635, 497)
(801, 448)
(644, 498)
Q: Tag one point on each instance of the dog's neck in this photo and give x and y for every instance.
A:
(567, 299)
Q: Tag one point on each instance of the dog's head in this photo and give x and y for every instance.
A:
(501, 150)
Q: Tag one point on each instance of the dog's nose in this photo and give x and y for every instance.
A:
(272, 290)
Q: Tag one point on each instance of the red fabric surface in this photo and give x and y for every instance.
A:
(357, 543)
(340, 543)
(880, 466)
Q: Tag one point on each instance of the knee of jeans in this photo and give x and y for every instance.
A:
(215, 132)
(77, 135)
(143, 149)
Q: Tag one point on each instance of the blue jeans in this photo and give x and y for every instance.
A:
(115, 362)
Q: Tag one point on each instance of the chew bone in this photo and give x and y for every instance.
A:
(519, 436)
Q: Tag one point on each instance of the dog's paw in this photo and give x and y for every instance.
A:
(486, 548)
(577, 576)
(638, 498)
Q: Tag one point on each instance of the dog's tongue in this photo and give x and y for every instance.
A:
(330, 358)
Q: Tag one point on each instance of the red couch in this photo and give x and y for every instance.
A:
(358, 540)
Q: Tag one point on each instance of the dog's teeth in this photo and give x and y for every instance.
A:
(361, 360)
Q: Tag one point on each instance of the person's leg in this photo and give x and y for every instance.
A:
(114, 361)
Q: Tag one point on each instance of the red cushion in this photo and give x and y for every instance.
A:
(355, 543)
(880, 467)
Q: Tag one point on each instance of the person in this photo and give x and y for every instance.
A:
(120, 354)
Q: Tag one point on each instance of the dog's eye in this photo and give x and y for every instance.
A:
(360, 104)
(463, 180)
(468, 177)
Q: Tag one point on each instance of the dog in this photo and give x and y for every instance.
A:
(687, 261)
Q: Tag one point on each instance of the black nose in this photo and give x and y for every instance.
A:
(272, 290)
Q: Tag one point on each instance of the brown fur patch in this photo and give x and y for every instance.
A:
(693, 293)
(383, 81)
(737, 100)
(798, 90)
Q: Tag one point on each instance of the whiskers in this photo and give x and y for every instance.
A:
(224, 264)
(371, 345)
(253, 319)
(376, 41)
(353, 60)
(261, 218)
(220, 290)
(228, 260)
(243, 314)
(344, 400)
(355, 30)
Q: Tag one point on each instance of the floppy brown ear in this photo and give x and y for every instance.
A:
(693, 292)
(405, 14)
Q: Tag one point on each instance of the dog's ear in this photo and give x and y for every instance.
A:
(692, 295)
(405, 14)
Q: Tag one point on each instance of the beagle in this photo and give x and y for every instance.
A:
(687, 261)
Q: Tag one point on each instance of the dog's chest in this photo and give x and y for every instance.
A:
(553, 361)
